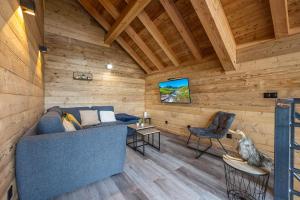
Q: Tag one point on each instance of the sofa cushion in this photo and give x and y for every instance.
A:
(69, 127)
(125, 117)
(104, 124)
(51, 122)
(107, 116)
(103, 108)
(73, 120)
(89, 117)
(55, 109)
(75, 111)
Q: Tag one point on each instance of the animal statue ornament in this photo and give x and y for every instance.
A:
(251, 154)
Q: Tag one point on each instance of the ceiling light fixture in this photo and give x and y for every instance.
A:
(28, 6)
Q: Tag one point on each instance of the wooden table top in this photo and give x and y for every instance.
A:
(244, 166)
(135, 127)
(148, 131)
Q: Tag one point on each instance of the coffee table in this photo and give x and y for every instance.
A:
(142, 136)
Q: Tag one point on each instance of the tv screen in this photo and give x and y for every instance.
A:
(175, 91)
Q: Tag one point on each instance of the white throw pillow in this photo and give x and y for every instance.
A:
(89, 117)
(68, 126)
(107, 116)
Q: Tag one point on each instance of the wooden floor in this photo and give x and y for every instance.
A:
(171, 174)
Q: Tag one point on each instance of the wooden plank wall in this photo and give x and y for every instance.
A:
(76, 43)
(21, 82)
(240, 92)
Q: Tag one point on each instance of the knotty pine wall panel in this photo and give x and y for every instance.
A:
(21, 82)
(240, 92)
(76, 43)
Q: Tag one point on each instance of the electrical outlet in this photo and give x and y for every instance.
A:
(166, 122)
(228, 135)
(188, 126)
(10, 193)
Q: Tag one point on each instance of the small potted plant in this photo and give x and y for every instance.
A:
(141, 122)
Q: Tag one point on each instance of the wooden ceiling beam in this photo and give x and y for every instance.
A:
(158, 37)
(215, 23)
(111, 9)
(182, 28)
(125, 18)
(95, 14)
(279, 11)
(269, 48)
(142, 45)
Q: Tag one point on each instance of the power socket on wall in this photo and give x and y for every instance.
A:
(166, 122)
(229, 136)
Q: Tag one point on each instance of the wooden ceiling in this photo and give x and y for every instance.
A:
(161, 34)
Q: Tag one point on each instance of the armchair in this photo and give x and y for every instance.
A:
(216, 130)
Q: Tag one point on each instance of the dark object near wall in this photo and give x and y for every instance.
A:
(270, 95)
(28, 6)
(43, 49)
(10, 193)
(83, 76)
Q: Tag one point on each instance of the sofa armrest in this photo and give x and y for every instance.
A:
(51, 164)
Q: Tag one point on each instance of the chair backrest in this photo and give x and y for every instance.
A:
(222, 122)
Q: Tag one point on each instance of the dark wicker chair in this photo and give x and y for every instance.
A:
(216, 130)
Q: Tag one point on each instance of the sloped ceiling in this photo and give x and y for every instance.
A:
(161, 42)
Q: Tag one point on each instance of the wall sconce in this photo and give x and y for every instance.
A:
(109, 66)
(43, 49)
(28, 6)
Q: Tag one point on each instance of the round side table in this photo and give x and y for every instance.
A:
(245, 182)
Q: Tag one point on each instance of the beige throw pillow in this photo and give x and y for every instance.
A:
(69, 127)
(89, 117)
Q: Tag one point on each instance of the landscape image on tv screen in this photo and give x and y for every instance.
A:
(175, 91)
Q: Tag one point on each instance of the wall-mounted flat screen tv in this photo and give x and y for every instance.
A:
(175, 91)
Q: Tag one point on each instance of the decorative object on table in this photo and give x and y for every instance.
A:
(147, 118)
(251, 154)
(84, 76)
(244, 181)
(145, 114)
(141, 122)
(216, 130)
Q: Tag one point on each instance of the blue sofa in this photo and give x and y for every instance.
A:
(50, 162)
